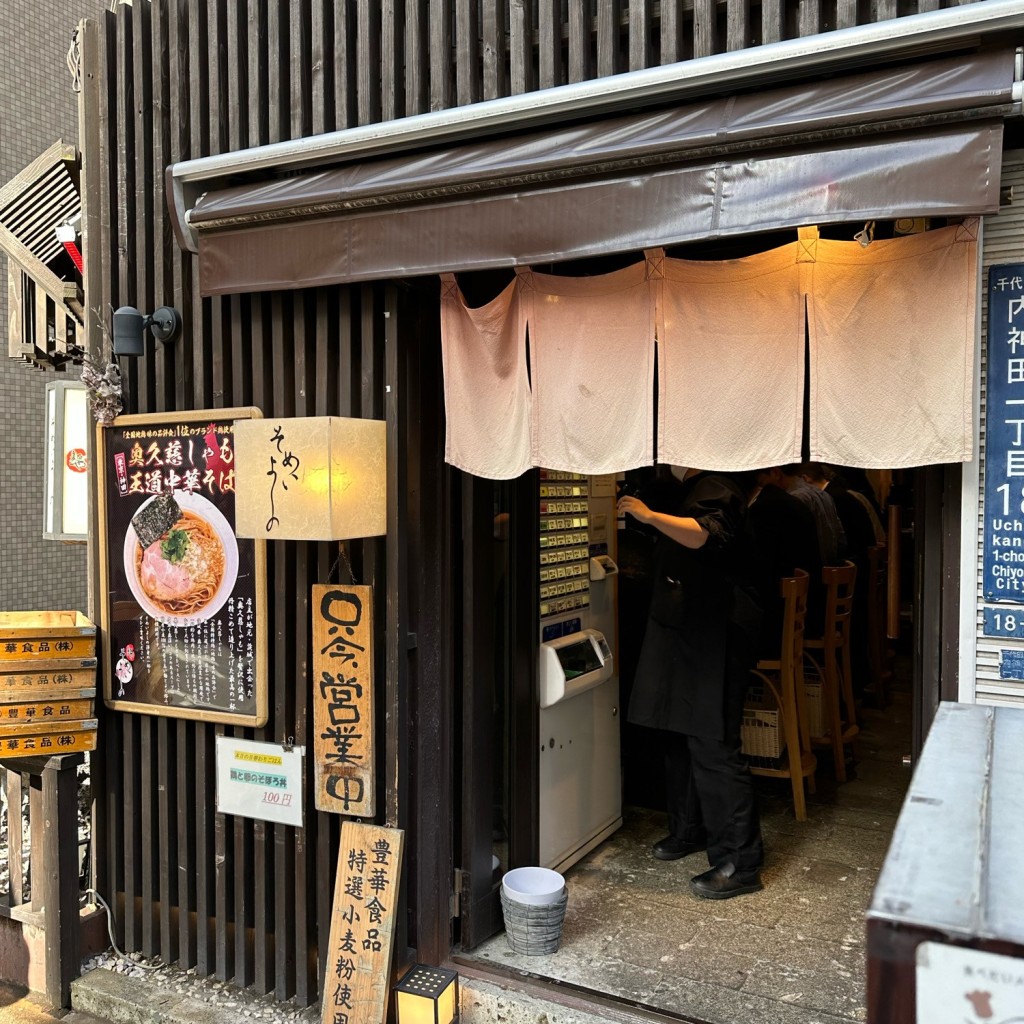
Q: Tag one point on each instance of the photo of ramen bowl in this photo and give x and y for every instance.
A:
(188, 573)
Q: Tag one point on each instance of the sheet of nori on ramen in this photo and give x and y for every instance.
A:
(183, 629)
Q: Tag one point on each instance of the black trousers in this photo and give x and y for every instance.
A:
(710, 790)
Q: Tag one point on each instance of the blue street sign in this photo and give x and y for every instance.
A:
(1005, 622)
(1004, 438)
(1011, 665)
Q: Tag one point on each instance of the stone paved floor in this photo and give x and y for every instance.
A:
(791, 954)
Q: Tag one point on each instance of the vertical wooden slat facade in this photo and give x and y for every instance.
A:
(250, 901)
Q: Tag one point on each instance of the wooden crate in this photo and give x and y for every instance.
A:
(69, 675)
(76, 737)
(45, 636)
(47, 683)
(38, 717)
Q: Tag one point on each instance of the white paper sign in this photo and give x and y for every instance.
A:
(966, 986)
(259, 780)
(602, 486)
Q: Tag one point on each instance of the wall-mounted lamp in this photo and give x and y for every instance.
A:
(67, 234)
(130, 326)
(428, 995)
(65, 508)
(310, 478)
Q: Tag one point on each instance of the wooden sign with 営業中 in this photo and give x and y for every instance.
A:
(343, 747)
(362, 925)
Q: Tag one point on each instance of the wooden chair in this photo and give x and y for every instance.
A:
(834, 669)
(784, 678)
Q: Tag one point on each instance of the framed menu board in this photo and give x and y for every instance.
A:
(183, 605)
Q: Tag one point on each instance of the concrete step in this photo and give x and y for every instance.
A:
(487, 1002)
(114, 998)
(173, 996)
(526, 1000)
(19, 1006)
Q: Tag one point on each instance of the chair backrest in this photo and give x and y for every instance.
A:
(839, 581)
(794, 595)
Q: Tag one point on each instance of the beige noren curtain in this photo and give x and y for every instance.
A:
(892, 331)
(731, 362)
(891, 328)
(486, 385)
(592, 366)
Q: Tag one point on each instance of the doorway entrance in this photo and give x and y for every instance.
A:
(633, 930)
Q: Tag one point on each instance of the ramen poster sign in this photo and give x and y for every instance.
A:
(185, 597)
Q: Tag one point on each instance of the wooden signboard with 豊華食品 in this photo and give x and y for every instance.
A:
(47, 683)
(362, 925)
(184, 599)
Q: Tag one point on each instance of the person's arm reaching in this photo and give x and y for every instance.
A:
(682, 529)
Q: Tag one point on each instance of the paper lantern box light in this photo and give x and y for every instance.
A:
(310, 478)
(428, 995)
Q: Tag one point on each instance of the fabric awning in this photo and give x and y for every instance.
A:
(922, 140)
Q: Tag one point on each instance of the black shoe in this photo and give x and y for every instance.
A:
(724, 881)
(671, 848)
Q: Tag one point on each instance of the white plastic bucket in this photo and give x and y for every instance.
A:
(536, 886)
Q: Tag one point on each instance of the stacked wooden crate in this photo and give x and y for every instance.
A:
(47, 684)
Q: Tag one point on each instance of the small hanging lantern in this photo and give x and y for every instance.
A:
(428, 995)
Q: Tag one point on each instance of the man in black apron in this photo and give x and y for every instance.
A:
(692, 677)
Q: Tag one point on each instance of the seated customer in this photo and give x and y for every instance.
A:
(860, 535)
(781, 537)
(831, 538)
(857, 525)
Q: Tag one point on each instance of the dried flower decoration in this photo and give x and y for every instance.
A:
(102, 377)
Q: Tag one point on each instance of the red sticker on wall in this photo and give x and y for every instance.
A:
(76, 460)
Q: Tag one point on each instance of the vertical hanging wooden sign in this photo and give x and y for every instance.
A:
(343, 749)
(362, 925)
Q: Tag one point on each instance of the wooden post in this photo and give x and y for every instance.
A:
(895, 543)
(15, 320)
(15, 839)
(59, 875)
(53, 820)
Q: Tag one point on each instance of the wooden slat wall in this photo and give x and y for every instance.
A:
(249, 901)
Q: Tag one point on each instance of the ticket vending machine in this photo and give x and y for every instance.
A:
(579, 756)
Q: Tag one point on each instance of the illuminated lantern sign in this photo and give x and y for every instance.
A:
(66, 506)
(311, 478)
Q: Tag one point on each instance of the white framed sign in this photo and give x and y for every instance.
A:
(259, 780)
(956, 985)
